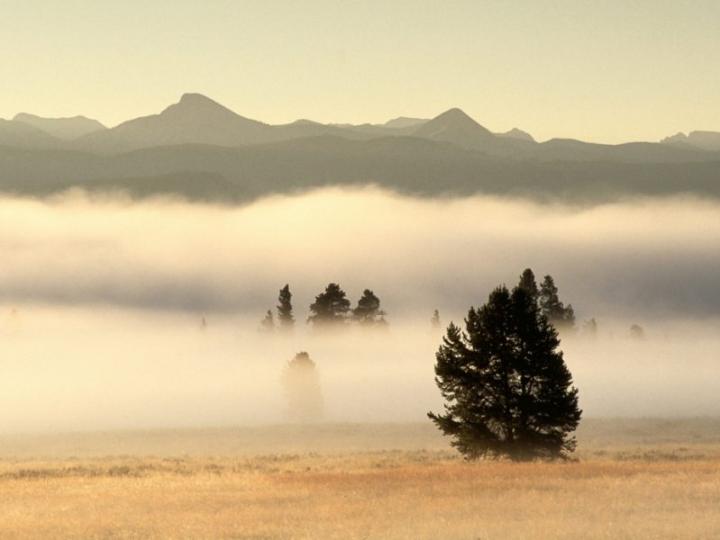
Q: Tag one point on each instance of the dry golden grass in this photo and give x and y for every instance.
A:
(658, 489)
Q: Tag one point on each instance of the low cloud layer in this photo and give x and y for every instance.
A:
(646, 258)
(102, 303)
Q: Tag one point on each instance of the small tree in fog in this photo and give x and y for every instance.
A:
(637, 332)
(508, 391)
(368, 312)
(284, 309)
(302, 389)
(330, 308)
(557, 313)
(435, 319)
(590, 327)
(268, 323)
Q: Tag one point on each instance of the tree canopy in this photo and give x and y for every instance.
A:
(368, 312)
(507, 389)
(330, 308)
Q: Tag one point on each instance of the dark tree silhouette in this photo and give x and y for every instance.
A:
(557, 313)
(368, 312)
(302, 389)
(528, 283)
(330, 307)
(508, 391)
(435, 319)
(268, 322)
(284, 309)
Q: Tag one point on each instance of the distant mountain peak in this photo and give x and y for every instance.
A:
(304, 122)
(194, 98)
(404, 122)
(702, 140)
(516, 133)
(456, 115)
(197, 102)
(453, 125)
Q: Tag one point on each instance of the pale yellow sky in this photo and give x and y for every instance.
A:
(606, 71)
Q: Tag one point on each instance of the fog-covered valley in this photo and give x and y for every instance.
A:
(120, 314)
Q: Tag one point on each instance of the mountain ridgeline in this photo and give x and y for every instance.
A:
(201, 150)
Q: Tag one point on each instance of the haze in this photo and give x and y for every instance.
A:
(102, 301)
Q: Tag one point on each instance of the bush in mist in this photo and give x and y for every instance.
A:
(284, 309)
(302, 389)
(330, 308)
(368, 312)
(508, 391)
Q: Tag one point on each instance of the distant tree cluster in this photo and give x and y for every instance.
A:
(547, 299)
(331, 308)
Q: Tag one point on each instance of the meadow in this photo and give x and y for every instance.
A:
(632, 479)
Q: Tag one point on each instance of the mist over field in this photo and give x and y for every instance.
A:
(102, 299)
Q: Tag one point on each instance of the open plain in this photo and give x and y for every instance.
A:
(632, 479)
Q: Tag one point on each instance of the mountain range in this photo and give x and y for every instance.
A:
(200, 149)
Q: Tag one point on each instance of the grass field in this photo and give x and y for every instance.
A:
(633, 479)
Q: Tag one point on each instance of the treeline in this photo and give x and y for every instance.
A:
(331, 308)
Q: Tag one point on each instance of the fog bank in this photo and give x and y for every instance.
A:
(645, 258)
(102, 302)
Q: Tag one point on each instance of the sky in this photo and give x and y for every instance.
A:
(606, 71)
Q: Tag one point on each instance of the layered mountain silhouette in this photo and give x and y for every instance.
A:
(703, 140)
(22, 135)
(200, 149)
(62, 128)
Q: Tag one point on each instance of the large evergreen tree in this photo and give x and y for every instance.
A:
(508, 391)
(330, 307)
(557, 313)
(368, 312)
(284, 308)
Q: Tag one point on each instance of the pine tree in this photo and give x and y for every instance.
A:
(527, 282)
(284, 309)
(508, 391)
(268, 323)
(557, 313)
(435, 319)
(368, 312)
(330, 307)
